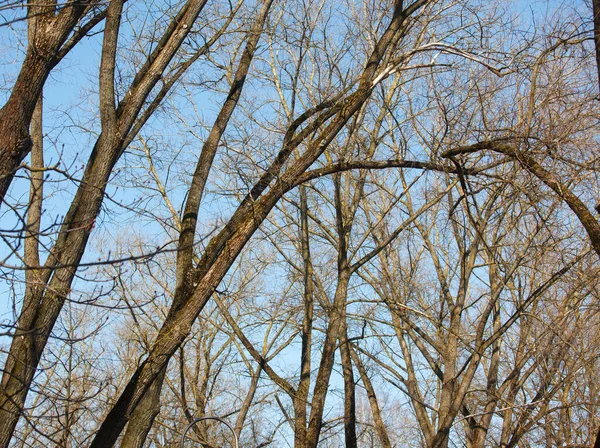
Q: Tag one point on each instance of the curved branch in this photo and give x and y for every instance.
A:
(502, 146)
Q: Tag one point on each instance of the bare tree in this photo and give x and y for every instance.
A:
(120, 124)
(327, 216)
(53, 31)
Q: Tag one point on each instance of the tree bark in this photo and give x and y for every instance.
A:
(332, 335)
(142, 419)
(301, 397)
(148, 408)
(48, 32)
(41, 310)
(373, 403)
(226, 246)
(349, 390)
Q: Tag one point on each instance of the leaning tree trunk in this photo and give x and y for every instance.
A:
(47, 33)
(40, 311)
(224, 248)
(143, 417)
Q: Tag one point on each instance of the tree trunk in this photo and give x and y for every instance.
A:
(375, 411)
(327, 359)
(349, 390)
(41, 306)
(142, 420)
(47, 32)
(15, 117)
(41, 310)
(149, 406)
(301, 397)
(224, 248)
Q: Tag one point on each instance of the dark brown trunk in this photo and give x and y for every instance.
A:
(47, 33)
(349, 391)
(149, 406)
(142, 420)
(15, 117)
(596, 12)
(301, 397)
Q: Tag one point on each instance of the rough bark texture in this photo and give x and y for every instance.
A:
(148, 408)
(219, 255)
(48, 32)
(596, 12)
(144, 415)
(41, 310)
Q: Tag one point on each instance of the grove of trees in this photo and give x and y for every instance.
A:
(328, 223)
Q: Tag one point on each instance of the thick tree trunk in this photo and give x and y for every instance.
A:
(149, 406)
(171, 336)
(481, 430)
(42, 306)
(224, 248)
(349, 390)
(41, 309)
(15, 117)
(332, 335)
(142, 420)
(47, 33)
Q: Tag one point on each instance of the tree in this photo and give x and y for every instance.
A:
(120, 124)
(387, 192)
(53, 31)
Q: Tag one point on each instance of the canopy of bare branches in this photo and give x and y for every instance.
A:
(327, 223)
